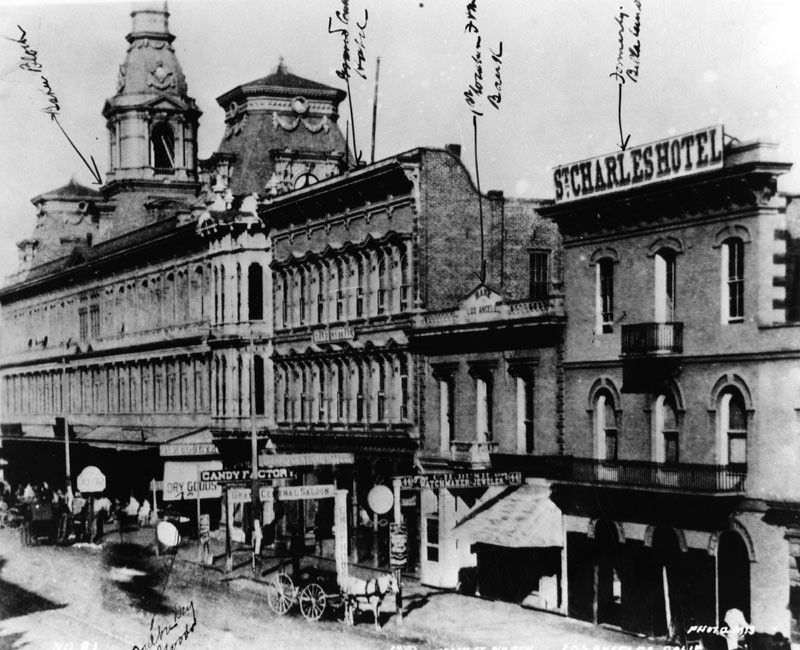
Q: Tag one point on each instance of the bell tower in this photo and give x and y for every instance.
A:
(152, 121)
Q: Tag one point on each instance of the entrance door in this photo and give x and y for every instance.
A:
(607, 581)
(733, 563)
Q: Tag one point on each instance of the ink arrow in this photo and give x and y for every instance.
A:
(98, 179)
(623, 140)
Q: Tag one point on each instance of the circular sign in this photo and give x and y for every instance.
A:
(167, 534)
(380, 499)
(91, 479)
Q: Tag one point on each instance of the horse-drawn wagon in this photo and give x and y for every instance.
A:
(316, 594)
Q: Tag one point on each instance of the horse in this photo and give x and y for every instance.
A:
(370, 592)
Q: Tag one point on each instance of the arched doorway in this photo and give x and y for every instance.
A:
(733, 571)
(666, 583)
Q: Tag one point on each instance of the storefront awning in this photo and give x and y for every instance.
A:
(520, 517)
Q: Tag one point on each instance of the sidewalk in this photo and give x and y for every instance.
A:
(430, 613)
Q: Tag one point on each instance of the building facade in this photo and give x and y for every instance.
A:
(681, 382)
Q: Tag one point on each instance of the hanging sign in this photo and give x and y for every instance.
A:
(460, 480)
(91, 479)
(398, 545)
(226, 475)
(675, 157)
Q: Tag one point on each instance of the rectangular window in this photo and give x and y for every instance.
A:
(734, 250)
(359, 302)
(611, 446)
(540, 275)
(671, 447)
(605, 296)
(737, 449)
(404, 396)
(339, 305)
(527, 386)
(83, 323)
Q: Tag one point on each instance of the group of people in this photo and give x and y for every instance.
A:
(105, 509)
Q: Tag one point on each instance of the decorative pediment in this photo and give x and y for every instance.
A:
(483, 299)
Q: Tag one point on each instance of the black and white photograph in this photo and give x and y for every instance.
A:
(400, 325)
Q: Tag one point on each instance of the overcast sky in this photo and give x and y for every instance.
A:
(703, 62)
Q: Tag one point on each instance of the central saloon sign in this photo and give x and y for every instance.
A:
(681, 155)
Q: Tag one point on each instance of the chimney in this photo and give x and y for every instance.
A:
(453, 149)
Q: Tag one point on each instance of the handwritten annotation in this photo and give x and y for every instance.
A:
(631, 72)
(159, 635)
(627, 70)
(475, 90)
(30, 63)
(343, 17)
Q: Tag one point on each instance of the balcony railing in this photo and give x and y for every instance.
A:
(652, 338)
(683, 477)
(472, 452)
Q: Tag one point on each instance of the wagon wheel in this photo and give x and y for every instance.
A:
(312, 602)
(281, 593)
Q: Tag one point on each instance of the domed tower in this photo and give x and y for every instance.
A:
(152, 121)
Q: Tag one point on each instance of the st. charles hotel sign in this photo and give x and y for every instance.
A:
(680, 155)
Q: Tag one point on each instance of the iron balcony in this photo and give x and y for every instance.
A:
(652, 338)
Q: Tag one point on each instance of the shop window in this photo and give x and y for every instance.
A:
(732, 252)
(432, 539)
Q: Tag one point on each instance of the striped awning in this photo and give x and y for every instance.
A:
(522, 517)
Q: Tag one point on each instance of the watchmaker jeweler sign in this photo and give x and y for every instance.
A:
(680, 155)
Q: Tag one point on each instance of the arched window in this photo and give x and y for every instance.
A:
(197, 300)
(216, 295)
(255, 291)
(318, 297)
(162, 142)
(238, 293)
(360, 392)
(283, 288)
(302, 282)
(258, 384)
(733, 427)
(221, 293)
(384, 297)
(360, 283)
(665, 430)
(605, 423)
(665, 286)
(340, 286)
(405, 282)
(732, 254)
